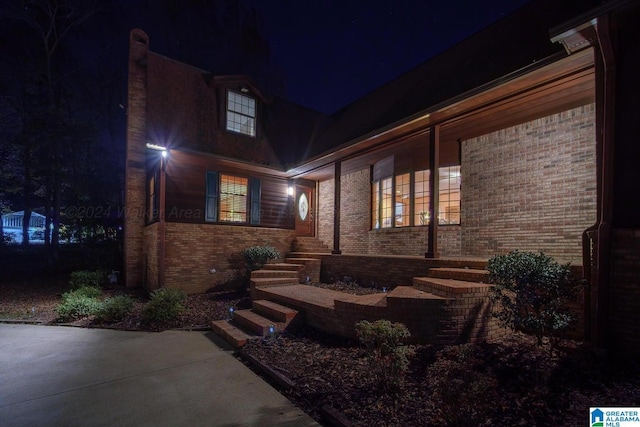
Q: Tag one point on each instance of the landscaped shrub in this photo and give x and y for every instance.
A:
(530, 293)
(115, 308)
(165, 305)
(85, 291)
(461, 388)
(82, 278)
(79, 303)
(386, 352)
(257, 256)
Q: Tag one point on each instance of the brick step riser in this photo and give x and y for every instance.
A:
(229, 333)
(277, 281)
(252, 327)
(467, 276)
(274, 274)
(266, 309)
(442, 290)
(283, 267)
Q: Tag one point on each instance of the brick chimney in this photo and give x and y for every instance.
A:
(135, 170)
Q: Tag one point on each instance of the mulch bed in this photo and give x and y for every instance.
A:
(508, 383)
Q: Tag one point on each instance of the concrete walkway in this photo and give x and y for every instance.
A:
(61, 376)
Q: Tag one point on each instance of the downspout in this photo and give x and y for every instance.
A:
(606, 131)
(596, 238)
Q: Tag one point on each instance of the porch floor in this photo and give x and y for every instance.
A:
(307, 295)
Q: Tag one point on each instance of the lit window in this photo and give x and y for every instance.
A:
(233, 198)
(375, 205)
(395, 208)
(449, 212)
(387, 202)
(403, 200)
(241, 114)
(421, 197)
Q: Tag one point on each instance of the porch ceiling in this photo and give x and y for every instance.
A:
(557, 86)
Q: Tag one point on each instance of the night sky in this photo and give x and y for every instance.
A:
(325, 53)
(333, 52)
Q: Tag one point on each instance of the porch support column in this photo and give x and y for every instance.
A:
(336, 208)
(434, 192)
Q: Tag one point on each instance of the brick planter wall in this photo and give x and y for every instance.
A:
(192, 250)
(381, 270)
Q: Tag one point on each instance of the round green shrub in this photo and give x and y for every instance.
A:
(115, 308)
(257, 256)
(165, 305)
(75, 305)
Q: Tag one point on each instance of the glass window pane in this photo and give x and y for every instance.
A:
(403, 200)
(421, 197)
(387, 203)
(241, 113)
(375, 205)
(233, 198)
(450, 179)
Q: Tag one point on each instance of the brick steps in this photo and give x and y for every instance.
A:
(464, 274)
(448, 288)
(230, 333)
(272, 273)
(411, 292)
(264, 318)
(283, 266)
(274, 311)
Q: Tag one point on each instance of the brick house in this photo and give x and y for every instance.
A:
(499, 143)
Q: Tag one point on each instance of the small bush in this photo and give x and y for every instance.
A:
(85, 291)
(531, 292)
(115, 308)
(462, 390)
(81, 278)
(79, 303)
(257, 256)
(165, 305)
(387, 353)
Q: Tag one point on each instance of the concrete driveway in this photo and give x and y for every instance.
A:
(61, 376)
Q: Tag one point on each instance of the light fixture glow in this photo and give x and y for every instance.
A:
(290, 190)
(156, 147)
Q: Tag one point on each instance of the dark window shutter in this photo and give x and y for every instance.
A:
(211, 203)
(255, 201)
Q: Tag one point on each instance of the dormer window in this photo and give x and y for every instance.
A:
(241, 114)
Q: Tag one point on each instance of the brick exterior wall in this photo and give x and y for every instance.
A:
(150, 275)
(192, 250)
(135, 173)
(531, 187)
(528, 187)
(355, 202)
(624, 297)
(326, 198)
